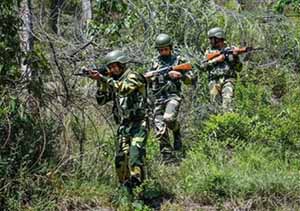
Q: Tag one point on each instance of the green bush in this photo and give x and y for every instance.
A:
(28, 146)
(250, 171)
(228, 126)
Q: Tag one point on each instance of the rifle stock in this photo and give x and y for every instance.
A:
(242, 50)
(180, 68)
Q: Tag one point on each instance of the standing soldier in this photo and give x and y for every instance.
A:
(222, 70)
(127, 88)
(166, 89)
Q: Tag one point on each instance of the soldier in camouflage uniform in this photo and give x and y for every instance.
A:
(222, 71)
(167, 95)
(127, 88)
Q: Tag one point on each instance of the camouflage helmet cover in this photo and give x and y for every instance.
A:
(216, 32)
(116, 56)
(163, 40)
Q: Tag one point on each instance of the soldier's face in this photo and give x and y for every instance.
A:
(166, 51)
(216, 42)
(212, 41)
(115, 69)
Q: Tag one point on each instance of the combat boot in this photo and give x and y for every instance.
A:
(136, 176)
(167, 158)
(177, 140)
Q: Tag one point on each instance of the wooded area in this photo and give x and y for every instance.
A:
(57, 144)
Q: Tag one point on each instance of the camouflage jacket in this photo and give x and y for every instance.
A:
(163, 86)
(226, 69)
(128, 94)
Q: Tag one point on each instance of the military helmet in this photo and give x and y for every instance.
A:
(163, 40)
(116, 56)
(216, 32)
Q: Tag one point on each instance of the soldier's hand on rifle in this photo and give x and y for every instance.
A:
(95, 75)
(175, 74)
(235, 51)
(148, 74)
(218, 59)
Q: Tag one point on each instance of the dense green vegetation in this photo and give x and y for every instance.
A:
(57, 144)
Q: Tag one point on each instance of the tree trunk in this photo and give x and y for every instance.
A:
(87, 11)
(26, 45)
(26, 37)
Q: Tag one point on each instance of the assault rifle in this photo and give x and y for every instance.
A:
(84, 72)
(163, 71)
(229, 51)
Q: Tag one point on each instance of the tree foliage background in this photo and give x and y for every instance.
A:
(57, 144)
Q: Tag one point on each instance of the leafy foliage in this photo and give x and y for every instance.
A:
(281, 4)
(9, 41)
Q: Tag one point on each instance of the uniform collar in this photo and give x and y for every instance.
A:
(124, 74)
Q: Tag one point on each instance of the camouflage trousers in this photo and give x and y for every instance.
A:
(131, 152)
(165, 117)
(221, 94)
